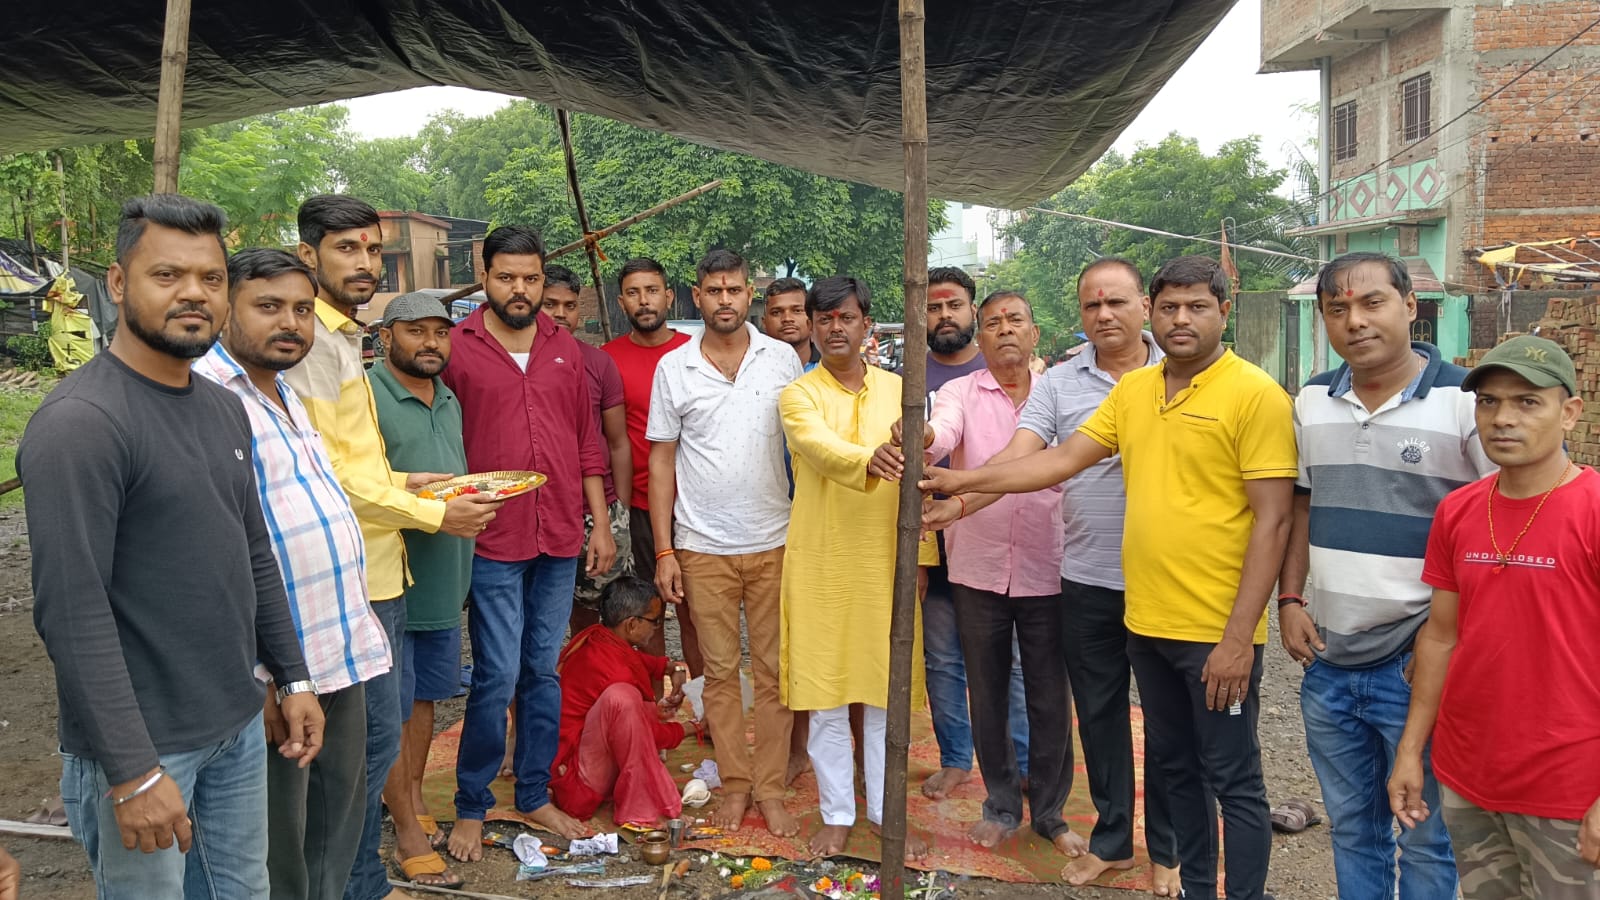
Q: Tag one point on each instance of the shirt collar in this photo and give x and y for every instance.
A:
(382, 375)
(1344, 380)
(334, 320)
(1089, 359)
(985, 380)
(228, 370)
(474, 324)
(695, 356)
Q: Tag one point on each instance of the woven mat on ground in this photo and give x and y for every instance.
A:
(1025, 857)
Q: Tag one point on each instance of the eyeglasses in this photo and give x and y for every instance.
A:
(655, 622)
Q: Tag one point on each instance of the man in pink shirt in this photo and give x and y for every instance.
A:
(1004, 576)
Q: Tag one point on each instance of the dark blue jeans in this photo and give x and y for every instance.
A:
(1354, 718)
(517, 621)
(369, 880)
(947, 681)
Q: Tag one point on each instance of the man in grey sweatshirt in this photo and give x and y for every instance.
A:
(156, 590)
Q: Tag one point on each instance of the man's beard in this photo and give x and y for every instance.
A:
(183, 347)
(411, 365)
(945, 342)
(661, 319)
(344, 296)
(515, 323)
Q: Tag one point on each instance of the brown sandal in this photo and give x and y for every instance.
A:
(1294, 816)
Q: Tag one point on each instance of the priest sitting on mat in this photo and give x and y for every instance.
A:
(612, 727)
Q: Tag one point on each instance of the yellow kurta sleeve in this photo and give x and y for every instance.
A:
(811, 439)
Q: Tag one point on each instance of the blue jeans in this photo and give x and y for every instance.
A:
(369, 880)
(225, 785)
(947, 681)
(517, 621)
(1354, 718)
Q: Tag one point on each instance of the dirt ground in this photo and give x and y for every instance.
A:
(1302, 866)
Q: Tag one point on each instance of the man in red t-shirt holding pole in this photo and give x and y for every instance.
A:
(1505, 685)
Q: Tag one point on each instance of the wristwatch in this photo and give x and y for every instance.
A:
(296, 687)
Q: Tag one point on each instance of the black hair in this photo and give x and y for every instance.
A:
(557, 275)
(784, 286)
(720, 260)
(640, 264)
(1007, 295)
(1328, 278)
(265, 262)
(628, 597)
(1187, 270)
(953, 275)
(1119, 261)
(831, 292)
(333, 212)
(174, 211)
(511, 240)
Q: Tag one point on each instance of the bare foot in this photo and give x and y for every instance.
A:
(989, 834)
(829, 840)
(799, 764)
(1165, 882)
(398, 894)
(466, 840)
(941, 783)
(554, 821)
(1088, 867)
(1071, 845)
(779, 821)
(916, 845)
(508, 769)
(729, 815)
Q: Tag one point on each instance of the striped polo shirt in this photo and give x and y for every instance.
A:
(1375, 479)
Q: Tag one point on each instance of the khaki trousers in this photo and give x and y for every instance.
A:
(716, 588)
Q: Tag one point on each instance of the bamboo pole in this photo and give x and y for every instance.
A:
(608, 231)
(61, 194)
(913, 399)
(169, 102)
(593, 252)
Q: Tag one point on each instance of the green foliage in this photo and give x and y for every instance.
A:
(461, 152)
(781, 220)
(32, 351)
(16, 408)
(260, 169)
(1172, 186)
(389, 173)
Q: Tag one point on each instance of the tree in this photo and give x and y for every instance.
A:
(389, 173)
(461, 152)
(260, 169)
(780, 219)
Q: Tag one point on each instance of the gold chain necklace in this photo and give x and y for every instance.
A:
(1505, 555)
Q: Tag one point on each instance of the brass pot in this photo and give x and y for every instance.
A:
(655, 848)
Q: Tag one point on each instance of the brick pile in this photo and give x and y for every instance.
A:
(1575, 325)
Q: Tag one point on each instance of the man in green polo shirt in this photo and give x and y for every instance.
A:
(421, 423)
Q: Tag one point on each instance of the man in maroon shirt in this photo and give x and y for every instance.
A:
(647, 301)
(525, 405)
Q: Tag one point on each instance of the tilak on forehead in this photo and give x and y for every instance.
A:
(363, 235)
(1100, 293)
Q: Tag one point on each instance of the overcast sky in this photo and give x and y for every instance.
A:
(1216, 96)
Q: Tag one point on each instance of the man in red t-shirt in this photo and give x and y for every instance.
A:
(647, 302)
(1504, 684)
(612, 726)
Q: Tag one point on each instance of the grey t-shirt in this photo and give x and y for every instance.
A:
(1094, 501)
(155, 588)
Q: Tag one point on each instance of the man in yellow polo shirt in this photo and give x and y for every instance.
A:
(1208, 454)
(340, 239)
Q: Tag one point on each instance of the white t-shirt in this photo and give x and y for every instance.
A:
(733, 492)
(521, 359)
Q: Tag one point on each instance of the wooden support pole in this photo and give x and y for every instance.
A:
(169, 102)
(609, 230)
(913, 398)
(563, 120)
(61, 195)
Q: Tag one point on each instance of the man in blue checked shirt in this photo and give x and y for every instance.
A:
(315, 813)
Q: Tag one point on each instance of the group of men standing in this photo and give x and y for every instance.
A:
(251, 610)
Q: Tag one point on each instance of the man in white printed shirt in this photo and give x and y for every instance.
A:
(314, 813)
(718, 445)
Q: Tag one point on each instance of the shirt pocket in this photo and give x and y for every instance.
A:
(763, 409)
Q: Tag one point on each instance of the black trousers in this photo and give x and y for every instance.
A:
(1095, 641)
(986, 621)
(1197, 749)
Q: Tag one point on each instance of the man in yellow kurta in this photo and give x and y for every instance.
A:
(838, 570)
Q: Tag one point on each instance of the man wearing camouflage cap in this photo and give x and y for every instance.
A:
(1505, 684)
